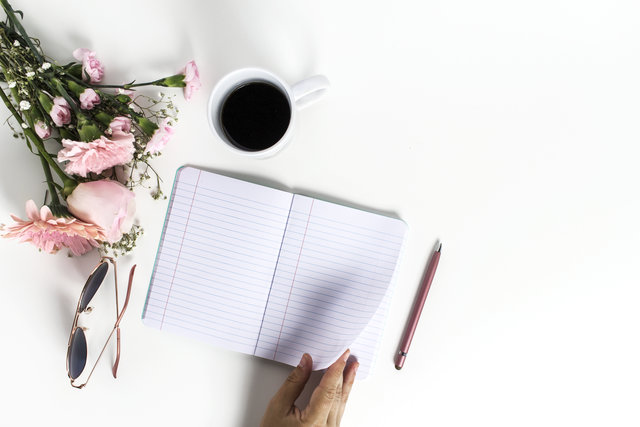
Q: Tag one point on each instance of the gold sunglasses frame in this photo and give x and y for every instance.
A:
(116, 326)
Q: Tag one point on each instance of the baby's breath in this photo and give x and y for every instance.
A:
(125, 244)
(37, 83)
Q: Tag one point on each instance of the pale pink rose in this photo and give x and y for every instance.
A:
(88, 99)
(106, 203)
(191, 78)
(42, 129)
(121, 124)
(50, 233)
(60, 112)
(97, 155)
(91, 66)
(160, 137)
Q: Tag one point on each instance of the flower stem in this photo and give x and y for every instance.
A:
(127, 85)
(69, 183)
(47, 174)
(14, 20)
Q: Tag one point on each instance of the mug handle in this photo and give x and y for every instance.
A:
(309, 90)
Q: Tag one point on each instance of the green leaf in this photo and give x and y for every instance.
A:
(172, 81)
(75, 87)
(87, 129)
(123, 98)
(103, 118)
(75, 70)
(147, 126)
(46, 102)
(65, 134)
(89, 133)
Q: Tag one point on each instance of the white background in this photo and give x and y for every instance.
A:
(507, 129)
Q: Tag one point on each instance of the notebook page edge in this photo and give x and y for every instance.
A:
(257, 187)
(160, 240)
(390, 283)
(374, 354)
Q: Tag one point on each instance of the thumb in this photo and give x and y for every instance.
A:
(294, 384)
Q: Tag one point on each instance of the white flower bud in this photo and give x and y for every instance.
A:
(16, 43)
(24, 125)
(46, 65)
(25, 105)
(30, 74)
(12, 85)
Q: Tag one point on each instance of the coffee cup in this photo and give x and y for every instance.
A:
(253, 111)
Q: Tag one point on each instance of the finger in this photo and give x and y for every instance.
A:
(349, 377)
(293, 385)
(335, 408)
(323, 396)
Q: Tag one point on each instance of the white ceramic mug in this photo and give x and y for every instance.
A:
(299, 96)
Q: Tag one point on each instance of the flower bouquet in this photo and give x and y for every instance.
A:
(94, 141)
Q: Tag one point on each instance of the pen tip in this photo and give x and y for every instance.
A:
(439, 247)
(398, 367)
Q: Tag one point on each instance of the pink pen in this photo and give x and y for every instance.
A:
(417, 309)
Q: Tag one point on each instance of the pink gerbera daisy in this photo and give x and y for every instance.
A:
(50, 233)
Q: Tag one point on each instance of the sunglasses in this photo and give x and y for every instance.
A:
(77, 346)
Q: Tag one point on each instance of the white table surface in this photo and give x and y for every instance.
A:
(509, 130)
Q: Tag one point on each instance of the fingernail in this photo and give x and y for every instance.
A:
(303, 361)
(345, 355)
(355, 368)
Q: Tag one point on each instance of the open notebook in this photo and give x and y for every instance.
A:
(271, 273)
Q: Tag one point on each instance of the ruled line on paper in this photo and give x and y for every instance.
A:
(176, 267)
(236, 197)
(292, 282)
(232, 209)
(370, 232)
(329, 282)
(273, 278)
(219, 271)
(329, 241)
(245, 267)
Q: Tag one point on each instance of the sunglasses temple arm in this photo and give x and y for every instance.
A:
(116, 327)
(114, 370)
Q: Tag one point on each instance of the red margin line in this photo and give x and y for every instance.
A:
(294, 278)
(180, 250)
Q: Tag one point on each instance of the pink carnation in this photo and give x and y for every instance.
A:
(42, 129)
(160, 137)
(97, 155)
(191, 78)
(120, 124)
(88, 99)
(60, 112)
(91, 67)
(50, 233)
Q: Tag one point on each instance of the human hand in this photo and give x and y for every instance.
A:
(327, 402)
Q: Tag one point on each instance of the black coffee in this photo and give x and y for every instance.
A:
(255, 115)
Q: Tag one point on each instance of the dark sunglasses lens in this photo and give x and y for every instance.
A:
(77, 353)
(93, 283)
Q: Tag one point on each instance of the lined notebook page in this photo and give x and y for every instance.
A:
(333, 273)
(367, 345)
(216, 259)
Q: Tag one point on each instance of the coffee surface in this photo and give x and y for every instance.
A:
(255, 115)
